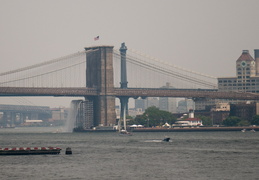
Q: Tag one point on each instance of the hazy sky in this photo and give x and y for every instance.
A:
(206, 36)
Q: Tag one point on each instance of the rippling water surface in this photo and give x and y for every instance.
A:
(190, 155)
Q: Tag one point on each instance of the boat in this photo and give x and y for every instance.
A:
(29, 150)
(252, 130)
(243, 130)
(123, 131)
(166, 139)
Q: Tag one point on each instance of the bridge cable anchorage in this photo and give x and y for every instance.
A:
(166, 71)
(169, 64)
(47, 62)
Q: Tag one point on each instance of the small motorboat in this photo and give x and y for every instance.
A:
(167, 139)
(243, 130)
(252, 130)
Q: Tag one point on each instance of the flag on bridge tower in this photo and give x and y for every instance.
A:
(96, 38)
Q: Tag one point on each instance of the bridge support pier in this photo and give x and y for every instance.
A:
(124, 85)
(99, 75)
(124, 81)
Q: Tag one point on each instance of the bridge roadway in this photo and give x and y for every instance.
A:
(129, 92)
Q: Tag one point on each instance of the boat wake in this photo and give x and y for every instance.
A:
(158, 140)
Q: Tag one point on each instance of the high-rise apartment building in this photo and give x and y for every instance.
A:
(246, 79)
(247, 74)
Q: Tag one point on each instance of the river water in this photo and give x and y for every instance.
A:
(143, 156)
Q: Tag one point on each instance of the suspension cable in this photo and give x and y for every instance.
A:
(166, 71)
(47, 62)
(166, 63)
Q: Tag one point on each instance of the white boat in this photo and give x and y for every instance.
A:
(252, 130)
(243, 130)
(123, 131)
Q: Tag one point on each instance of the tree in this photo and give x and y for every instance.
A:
(140, 119)
(206, 121)
(130, 120)
(231, 121)
(155, 117)
(244, 123)
(255, 120)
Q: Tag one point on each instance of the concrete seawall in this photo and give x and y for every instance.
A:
(191, 129)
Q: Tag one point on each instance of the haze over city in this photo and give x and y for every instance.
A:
(203, 36)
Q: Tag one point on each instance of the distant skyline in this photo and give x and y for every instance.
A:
(205, 36)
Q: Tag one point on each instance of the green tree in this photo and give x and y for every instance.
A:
(140, 119)
(155, 117)
(255, 120)
(130, 120)
(231, 121)
(244, 123)
(206, 121)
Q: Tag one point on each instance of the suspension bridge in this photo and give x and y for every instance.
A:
(102, 73)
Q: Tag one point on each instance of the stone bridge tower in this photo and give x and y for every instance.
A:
(99, 75)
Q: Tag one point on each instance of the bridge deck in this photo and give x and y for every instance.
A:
(130, 92)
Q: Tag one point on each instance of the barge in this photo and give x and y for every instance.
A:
(29, 150)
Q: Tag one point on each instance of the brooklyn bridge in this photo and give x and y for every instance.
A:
(101, 73)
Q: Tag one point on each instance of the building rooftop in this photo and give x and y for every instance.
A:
(192, 119)
(245, 56)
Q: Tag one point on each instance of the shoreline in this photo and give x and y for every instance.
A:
(192, 129)
(177, 129)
